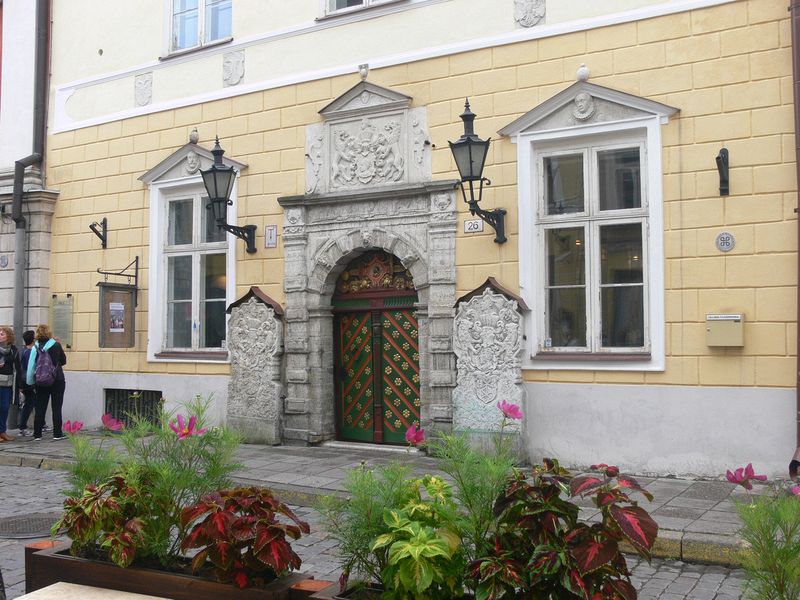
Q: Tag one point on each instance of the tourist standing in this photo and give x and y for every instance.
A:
(49, 386)
(10, 370)
(28, 391)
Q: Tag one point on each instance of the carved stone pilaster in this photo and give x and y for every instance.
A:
(254, 391)
(488, 344)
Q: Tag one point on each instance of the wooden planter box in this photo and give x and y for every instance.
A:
(52, 565)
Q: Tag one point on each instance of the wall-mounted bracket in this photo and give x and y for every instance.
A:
(723, 168)
(101, 230)
(133, 278)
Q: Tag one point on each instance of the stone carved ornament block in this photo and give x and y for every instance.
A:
(232, 68)
(255, 344)
(529, 12)
(487, 341)
(143, 89)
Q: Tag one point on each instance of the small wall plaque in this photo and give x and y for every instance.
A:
(725, 241)
(473, 226)
(61, 319)
(271, 236)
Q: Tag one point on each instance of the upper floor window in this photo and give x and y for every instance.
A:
(339, 6)
(199, 22)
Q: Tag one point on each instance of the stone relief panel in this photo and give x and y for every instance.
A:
(143, 89)
(232, 68)
(529, 12)
(254, 391)
(487, 342)
(378, 145)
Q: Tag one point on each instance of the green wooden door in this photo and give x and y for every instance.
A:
(377, 409)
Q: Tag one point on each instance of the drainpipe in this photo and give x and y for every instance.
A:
(36, 157)
(795, 18)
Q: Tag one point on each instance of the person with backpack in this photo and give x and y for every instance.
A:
(10, 370)
(45, 371)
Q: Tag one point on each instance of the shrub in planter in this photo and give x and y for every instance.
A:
(542, 551)
(166, 477)
(239, 534)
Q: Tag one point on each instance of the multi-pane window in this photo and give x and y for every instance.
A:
(593, 216)
(335, 6)
(199, 22)
(195, 253)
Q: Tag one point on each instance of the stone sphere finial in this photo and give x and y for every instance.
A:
(583, 72)
(363, 70)
(194, 136)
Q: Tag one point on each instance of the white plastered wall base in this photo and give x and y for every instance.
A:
(662, 430)
(84, 398)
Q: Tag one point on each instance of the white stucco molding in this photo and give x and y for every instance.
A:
(62, 121)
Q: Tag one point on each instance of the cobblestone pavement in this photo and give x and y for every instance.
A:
(25, 490)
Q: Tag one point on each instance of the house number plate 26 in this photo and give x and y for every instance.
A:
(725, 241)
(473, 226)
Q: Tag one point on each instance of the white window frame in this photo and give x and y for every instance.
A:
(326, 10)
(531, 147)
(170, 50)
(160, 194)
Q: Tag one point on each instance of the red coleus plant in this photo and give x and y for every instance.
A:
(239, 534)
(543, 551)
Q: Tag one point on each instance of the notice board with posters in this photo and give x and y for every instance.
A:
(117, 315)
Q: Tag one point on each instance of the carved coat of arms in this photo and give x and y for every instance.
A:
(529, 12)
(371, 155)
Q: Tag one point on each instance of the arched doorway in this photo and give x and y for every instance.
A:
(376, 354)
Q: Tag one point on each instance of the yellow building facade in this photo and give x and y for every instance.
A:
(692, 78)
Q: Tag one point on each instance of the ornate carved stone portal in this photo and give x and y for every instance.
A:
(255, 345)
(488, 345)
(368, 184)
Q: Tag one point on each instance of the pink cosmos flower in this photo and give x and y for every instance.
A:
(184, 429)
(72, 426)
(510, 411)
(111, 423)
(743, 476)
(796, 490)
(415, 436)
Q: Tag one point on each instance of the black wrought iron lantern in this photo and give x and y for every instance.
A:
(218, 180)
(470, 153)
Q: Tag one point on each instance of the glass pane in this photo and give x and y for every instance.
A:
(179, 302)
(567, 317)
(213, 272)
(185, 30)
(211, 233)
(563, 184)
(183, 5)
(179, 278)
(212, 323)
(218, 20)
(565, 256)
(623, 316)
(338, 4)
(180, 222)
(621, 254)
(620, 179)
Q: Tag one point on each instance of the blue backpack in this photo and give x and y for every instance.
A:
(45, 371)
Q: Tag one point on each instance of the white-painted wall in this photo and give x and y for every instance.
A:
(664, 430)
(16, 87)
(84, 398)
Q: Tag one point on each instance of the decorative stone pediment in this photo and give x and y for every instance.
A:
(185, 162)
(370, 137)
(585, 103)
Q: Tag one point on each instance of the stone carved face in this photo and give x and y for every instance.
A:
(192, 162)
(584, 106)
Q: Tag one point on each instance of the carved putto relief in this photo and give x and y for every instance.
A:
(529, 12)
(369, 155)
(143, 89)
(487, 343)
(314, 163)
(233, 68)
